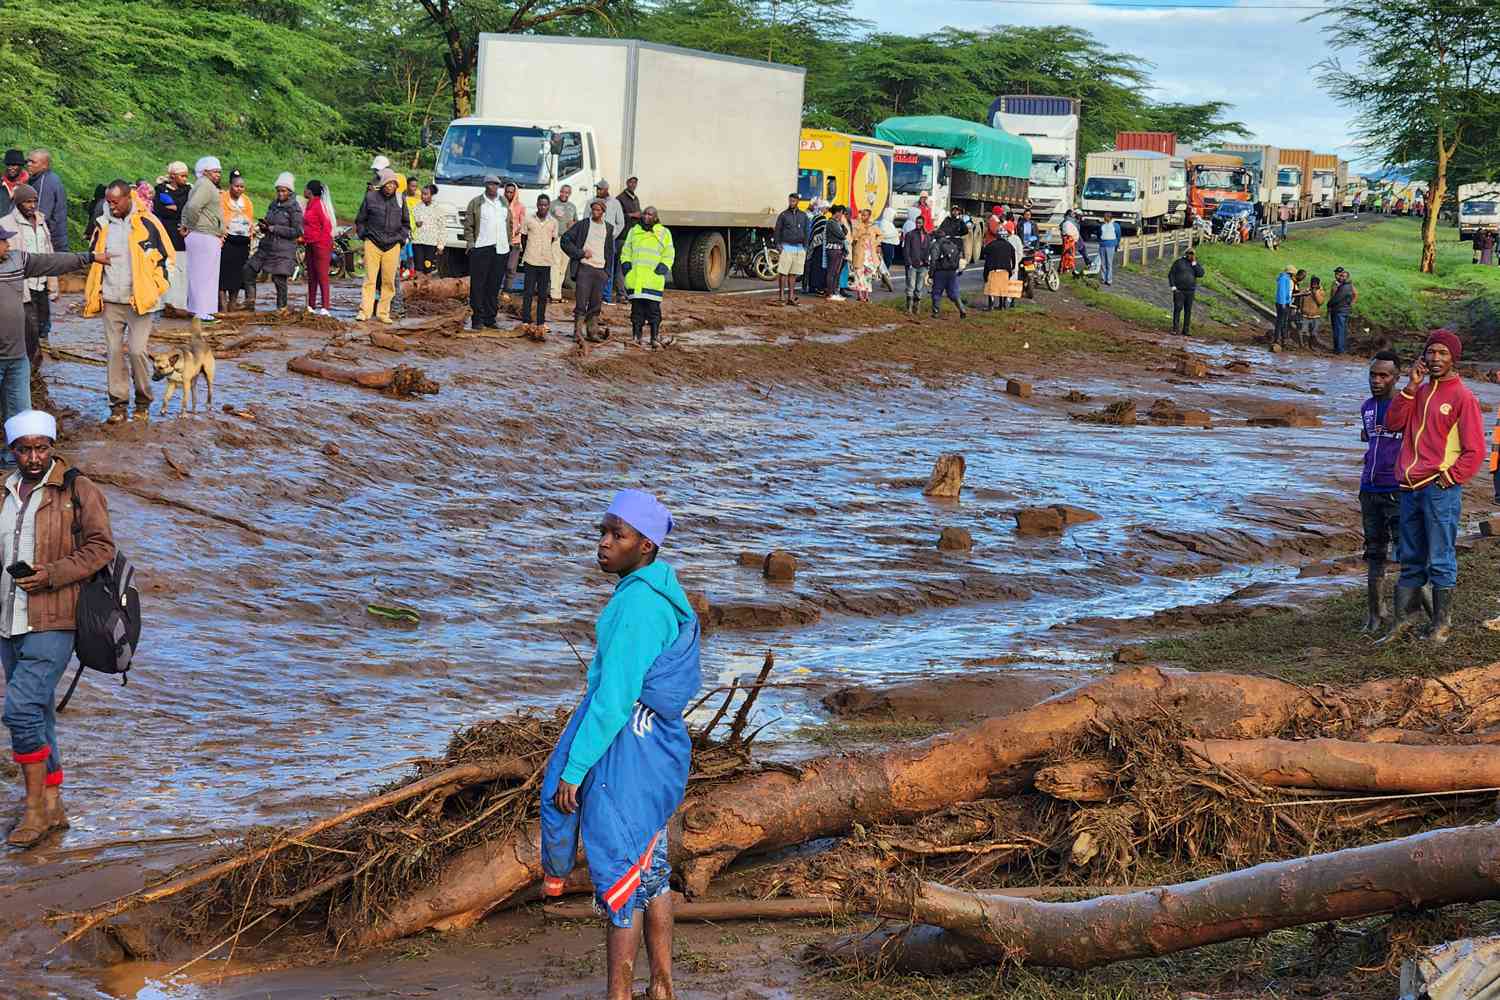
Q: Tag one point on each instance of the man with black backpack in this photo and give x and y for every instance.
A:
(54, 536)
(948, 260)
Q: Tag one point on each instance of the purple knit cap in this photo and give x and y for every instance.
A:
(644, 513)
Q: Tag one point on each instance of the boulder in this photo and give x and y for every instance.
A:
(947, 477)
(1015, 387)
(1052, 520)
(955, 540)
(780, 566)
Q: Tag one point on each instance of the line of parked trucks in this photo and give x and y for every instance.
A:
(551, 112)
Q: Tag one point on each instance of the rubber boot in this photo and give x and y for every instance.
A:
(655, 336)
(885, 282)
(578, 329)
(33, 826)
(1408, 603)
(962, 312)
(635, 331)
(52, 804)
(1442, 616)
(1376, 610)
(934, 312)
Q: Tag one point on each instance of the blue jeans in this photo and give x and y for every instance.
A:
(655, 882)
(1340, 323)
(1429, 529)
(1107, 262)
(34, 663)
(15, 386)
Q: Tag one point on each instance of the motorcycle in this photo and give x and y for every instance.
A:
(1270, 236)
(1039, 265)
(757, 258)
(348, 254)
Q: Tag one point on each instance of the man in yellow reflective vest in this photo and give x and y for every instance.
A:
(647, 260)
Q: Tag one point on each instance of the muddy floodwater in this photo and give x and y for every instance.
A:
(264, 690)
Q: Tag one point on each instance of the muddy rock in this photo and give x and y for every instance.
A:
(1238, 366)
(1017, 388)
(1284, 415)
(947, 477)
(754, 560)
(780, 566)
(330, 449)
(1051, 520)
(1164, 411)
(955, 540)
(1192, 367)
(1121, 414)
(1075, 396)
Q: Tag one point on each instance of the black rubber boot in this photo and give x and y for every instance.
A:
(934, 312)
(1442, 616)
(1376, 609)
(1408, 603)
(578, 329)
(962, 312)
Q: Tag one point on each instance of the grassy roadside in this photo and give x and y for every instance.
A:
(1382, 259)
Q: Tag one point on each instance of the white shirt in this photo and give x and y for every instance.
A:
(594, 244)
(116, 284)
(493, 216)
(1070, 228)
(614, 214)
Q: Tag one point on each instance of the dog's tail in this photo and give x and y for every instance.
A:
(196, 344)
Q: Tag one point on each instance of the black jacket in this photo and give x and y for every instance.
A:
(791, 228)
(956, 228)
(916, 248)
(1184, 275)
(277, 253)
(577, 235)
(382, 220)
(998, 255)
(167, 206)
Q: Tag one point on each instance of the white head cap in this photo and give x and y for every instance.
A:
(30, 423)
(286, 180)
(380, 163)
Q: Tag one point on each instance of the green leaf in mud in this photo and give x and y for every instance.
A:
(391, 613)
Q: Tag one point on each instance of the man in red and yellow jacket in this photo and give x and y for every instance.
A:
(1442, 447)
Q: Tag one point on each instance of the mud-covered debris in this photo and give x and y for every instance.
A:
(780, 566)
(330, 449)
(1051, 520)
(409, 381)
(1238, 366)
(1192, 367)
(1164, 411)
(532, 331)
(1017, 388)
(1284, 415)
(388, 341)
(955, 540)
(1490, 527)
(753, 560)
(1130, 654)
(1077, 396)
(437, 288)
(947, 477)
(1121, 414)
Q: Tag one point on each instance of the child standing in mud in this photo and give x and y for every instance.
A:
(620, 769)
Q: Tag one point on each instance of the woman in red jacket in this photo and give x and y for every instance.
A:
(317, 236)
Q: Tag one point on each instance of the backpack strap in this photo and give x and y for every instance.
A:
(70, 483)
(77, 674)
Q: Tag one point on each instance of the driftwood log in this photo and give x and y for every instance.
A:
(964, 929)
(1342, 765)
(403, 380)
(437, 288)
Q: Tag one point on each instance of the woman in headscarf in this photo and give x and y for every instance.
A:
(239, 224)
(203, 229)
(280, 232)
(890, 245)
(317, 235)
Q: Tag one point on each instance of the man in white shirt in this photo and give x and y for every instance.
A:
(487, 238)
(1109, 243)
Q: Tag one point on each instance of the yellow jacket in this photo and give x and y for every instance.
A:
(152, 258)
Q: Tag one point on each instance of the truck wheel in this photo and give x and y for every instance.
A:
(681, 274)
(708, 262)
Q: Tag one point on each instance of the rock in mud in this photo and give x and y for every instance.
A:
(1017, 388)
(1238, 365)
(330, 449)
(1191, 367)
(1164, 411)
(1074, 396)
(780, 566)
(1121, 414)
(955, 540)
(754, 560)
(947, 478)
(1284, 415)
(1053, 520)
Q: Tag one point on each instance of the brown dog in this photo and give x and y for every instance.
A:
(182, 369)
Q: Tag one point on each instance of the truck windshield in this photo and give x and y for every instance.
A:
(809, 183)
(512, 153)
(1288, 177)
(1472, 207)
(1109, 188)
(1223, 179)
(911, 174)
(1177, 179)
(1049, 171)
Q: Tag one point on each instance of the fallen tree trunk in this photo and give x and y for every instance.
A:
(966, 929)
(437, 288)
(1342, 765)
(403, 380)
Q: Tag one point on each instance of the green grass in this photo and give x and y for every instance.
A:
(1128, 309)
(1382, 259)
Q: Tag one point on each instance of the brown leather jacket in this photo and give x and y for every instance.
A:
(67, 565)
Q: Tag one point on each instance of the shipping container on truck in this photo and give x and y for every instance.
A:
(1163, 142)
(1341, 202)
(842, 169)
(1216, 177)
(1263, 162)
(1129, 186)
(1294, 182)
(1478, 209)
(1325, 183)
(986, 166)
(1050, 126)
(550, 111)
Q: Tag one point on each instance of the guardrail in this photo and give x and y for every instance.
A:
(1156, 246)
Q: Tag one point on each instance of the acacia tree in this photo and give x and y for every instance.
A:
(1425, 78)
(459, 23)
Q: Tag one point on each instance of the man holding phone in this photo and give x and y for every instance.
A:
(45, 564)
(1442, 444)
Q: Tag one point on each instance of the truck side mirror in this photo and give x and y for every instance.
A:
(943, 172)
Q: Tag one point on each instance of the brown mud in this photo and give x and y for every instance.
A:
(265, 692)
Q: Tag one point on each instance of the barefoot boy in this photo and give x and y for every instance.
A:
(620, 769)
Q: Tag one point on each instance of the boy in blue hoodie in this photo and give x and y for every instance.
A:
(620, 769)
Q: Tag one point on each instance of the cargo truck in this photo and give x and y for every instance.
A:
(1327, 188)
(1216, 177)
(1478, 209)
(842, 169)
(1263, 162)
(986, 166)
(916, 169)
(1050, 126)
(1128, 186)
(1294, 182)
(550, 111)
(1164, 142)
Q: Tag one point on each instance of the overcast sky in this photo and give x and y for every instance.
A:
(1258, 60)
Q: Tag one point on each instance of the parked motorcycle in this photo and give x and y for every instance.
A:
(756, 257)
(348, 254)
(1039, 265)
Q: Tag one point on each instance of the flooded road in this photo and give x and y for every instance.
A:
(263, 690)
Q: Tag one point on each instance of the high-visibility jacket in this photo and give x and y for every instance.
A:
(644, 252)
(1495, 443)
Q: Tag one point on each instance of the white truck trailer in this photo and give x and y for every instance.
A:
(553, 111)
(1130, 186)
(1050, 125)
(1478, 209)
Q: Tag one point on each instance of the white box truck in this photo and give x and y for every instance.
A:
(916, 169)
(1478, 209)
(1050, 125)
(554, 111)
(1131, 186)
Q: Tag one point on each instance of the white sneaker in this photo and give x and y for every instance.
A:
(837, 298)
(324, 312)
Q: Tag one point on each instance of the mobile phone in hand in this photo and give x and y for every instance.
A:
(20, 568)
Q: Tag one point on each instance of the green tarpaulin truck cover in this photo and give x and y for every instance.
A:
(977, 148)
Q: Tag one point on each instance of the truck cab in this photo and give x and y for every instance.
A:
(1216, 177)
(539, 158)
(1478, 209)
(1050, 125)
(1324, 191)
(1288, 186)
(915, 169)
